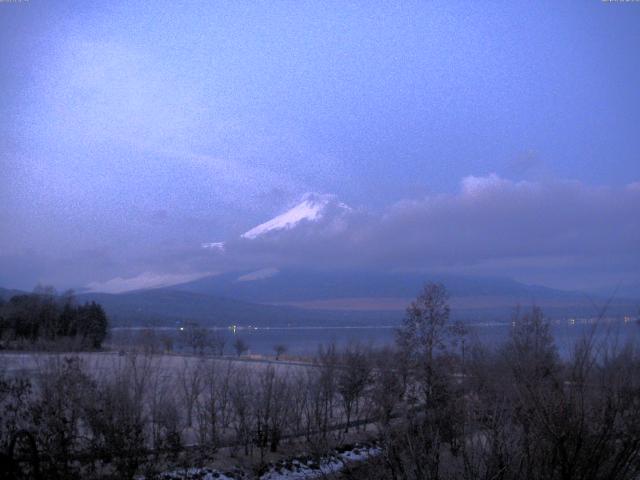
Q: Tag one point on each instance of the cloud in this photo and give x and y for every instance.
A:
(258, 275)
(559, 233)
(492, 217)
(473, 186)
(218, 246)
(142, 281)
(491, 225)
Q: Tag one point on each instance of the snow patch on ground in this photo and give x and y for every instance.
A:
(291, 469)
(202, 474)
(301, 469)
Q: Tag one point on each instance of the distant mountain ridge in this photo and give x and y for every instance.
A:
(165, 306)
(299, 284)
(7, 293)
(471, 297)
(296, 297)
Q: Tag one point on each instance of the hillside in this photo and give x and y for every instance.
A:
(170, 307)
(471, 297)
(301, 297)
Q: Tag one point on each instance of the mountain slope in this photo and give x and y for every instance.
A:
(6, 293)
(306, 298)
(164, 306)
(300, 284)
(471, 297)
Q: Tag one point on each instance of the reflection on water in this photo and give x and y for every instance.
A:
(305, 340)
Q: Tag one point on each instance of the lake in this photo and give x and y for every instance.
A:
(306, 340)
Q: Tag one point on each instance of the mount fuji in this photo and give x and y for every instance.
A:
(313, 208)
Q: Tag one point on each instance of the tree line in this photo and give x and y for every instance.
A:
(513, 411)
(440, 404)
(45, 319)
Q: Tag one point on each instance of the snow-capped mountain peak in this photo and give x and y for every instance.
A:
(312, 208)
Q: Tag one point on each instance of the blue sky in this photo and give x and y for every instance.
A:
(131, 132)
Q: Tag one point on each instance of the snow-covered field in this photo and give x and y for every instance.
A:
(100, 362)
(289, 469)
(187, 379)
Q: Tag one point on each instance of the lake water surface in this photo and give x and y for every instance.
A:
(306, 340)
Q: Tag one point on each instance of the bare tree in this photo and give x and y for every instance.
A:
(415, 447)
(352, 379)
(280, 350)
(581, 421)
(531, 349)
(269, 409)
(190, 381)
(217, 341)
(147, 340)
(16, 395)
(241, 396)
(195, 337)
(424, 333)
(387, 387)
(298, 398)
(58, 413)
(327, 359)
(213, 406)
(240, 346)
(167, 343)
(164, 418)
(114, 414)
